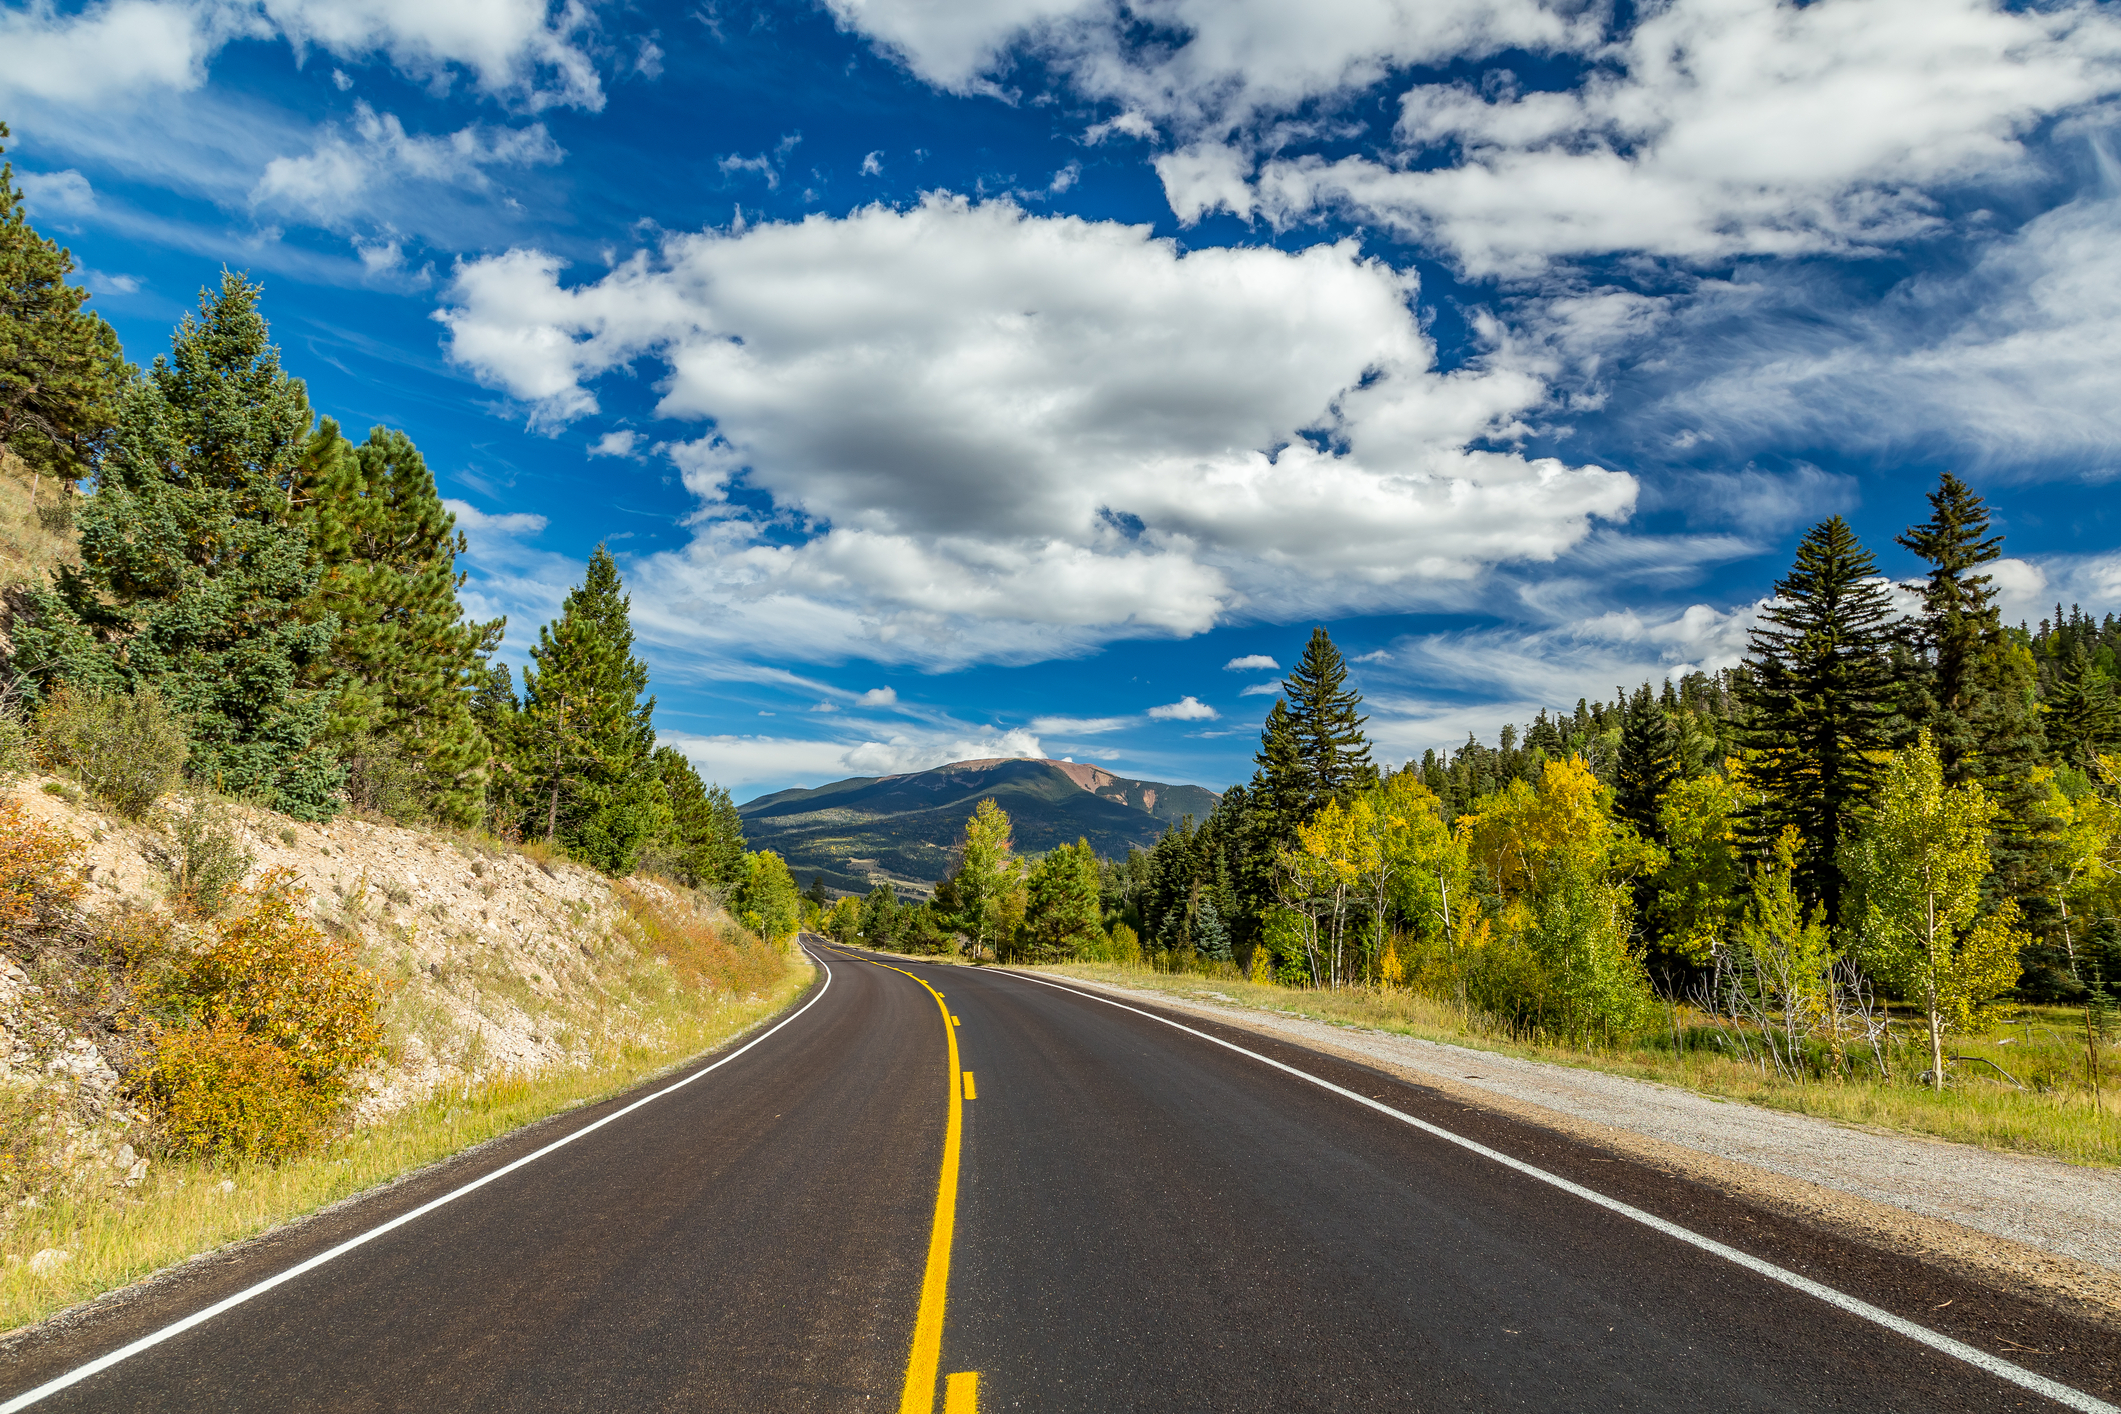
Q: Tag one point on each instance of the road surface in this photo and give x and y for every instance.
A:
(1132, 1216)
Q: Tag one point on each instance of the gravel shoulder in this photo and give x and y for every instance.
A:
(2037, 1224)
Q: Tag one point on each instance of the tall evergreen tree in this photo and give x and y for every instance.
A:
(406, 663)
(194, 568)
(1980, 703)
(1333, 753)
(1819, 688)
(586, 738)
(705, 841)
(1648, 761)
(61, 369)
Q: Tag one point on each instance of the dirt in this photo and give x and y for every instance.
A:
(497, 964)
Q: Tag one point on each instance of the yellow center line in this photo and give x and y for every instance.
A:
(970, 1093)
(926, 1359)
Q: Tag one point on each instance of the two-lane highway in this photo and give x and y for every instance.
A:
(1136, 1215)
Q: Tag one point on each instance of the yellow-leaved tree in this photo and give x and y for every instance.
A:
(1914, 870)
(1557, 863)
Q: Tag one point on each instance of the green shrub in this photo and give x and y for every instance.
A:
(210, 859)
(382, 779)
(127, 748)
(219, 1091)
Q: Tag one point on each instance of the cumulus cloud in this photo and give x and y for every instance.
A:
(1720, 128)
(1186, 709)
(1015, 435)
(1251, 662)
(527, 51)
(339, 178)
(615, 444)
(880, 697)
(1212, 60)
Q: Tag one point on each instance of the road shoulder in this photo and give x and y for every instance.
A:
(2037, 1226)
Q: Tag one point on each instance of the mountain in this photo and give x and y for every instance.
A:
(859, 832)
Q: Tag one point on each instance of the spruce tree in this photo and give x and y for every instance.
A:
(586, 738)
(2083, 716)
(195, 569)
(61, 369)
(508, 778)
(406, 663)
(1648, 761)
(1334, 754)
(1819, 689)
(1280, 789)
(705, 841)
(1980, 703)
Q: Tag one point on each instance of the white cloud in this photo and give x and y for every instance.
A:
(738, 761)
(873, 164)
(879, 697)
(1251, 662)
(1721, 127)
(2006, 364)
(57, 193)
(122, 47)
(526, 51)
(1186, 709)
(339, 178)
(1213, 60)
(1080, 726)
(874, 374)
(1261, 689)
(615, 444)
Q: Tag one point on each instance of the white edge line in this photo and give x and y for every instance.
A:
(1959, 1350)
(176, 1328)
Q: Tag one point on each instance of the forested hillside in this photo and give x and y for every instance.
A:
(903, 827)
(1875, 810)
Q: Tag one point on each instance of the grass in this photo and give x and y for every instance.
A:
(182, 1209)
(2053, 1116)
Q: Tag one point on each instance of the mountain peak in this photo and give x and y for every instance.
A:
(868, 829)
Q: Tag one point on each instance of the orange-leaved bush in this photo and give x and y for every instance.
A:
(219, 1090)
(272, 975)
(39, 869)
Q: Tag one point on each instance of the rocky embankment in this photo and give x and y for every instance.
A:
(498, 963)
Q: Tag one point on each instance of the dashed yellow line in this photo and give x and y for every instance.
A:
(926, 1358)
(970, 1093)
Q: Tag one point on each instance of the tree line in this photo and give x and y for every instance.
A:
(287, 600)
(1875, 805)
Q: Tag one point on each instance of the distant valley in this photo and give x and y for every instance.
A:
(862, 831)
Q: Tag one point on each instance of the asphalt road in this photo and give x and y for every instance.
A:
(1142, 1219)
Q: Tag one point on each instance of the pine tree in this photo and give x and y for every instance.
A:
(1061, 912)
(2083, 717)
(1959, 619)
(61, 369)
(1648, 762)
(586, 738)
(705, 842)
(1330, 746)
(195, 569)
(1981, 705)
(406, 662)
(1819, 689)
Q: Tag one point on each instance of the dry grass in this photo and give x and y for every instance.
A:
(28, 546)
(2052, 1116)
(182, 1209)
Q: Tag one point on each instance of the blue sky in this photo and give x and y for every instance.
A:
(964, 380)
